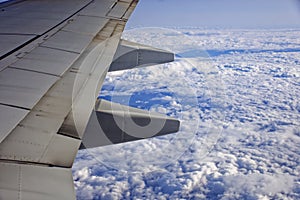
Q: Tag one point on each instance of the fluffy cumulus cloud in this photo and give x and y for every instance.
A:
(236, 94)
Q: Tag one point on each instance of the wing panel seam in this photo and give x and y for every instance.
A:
(59, 49)
(20, 182)
(63, 134)
(28, 163)
(14, 106)
(46, 149)
(35, 71)
(19, 47)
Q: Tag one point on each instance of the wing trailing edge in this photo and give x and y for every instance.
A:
(35, 181)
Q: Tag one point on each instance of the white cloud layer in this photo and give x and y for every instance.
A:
(237, 96)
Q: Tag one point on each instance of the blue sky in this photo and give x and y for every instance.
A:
(217, 13)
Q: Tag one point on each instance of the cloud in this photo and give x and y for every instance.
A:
(240, 122)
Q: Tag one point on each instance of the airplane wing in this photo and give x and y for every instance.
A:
(54, 56)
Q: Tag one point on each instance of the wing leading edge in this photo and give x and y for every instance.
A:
(54, 58)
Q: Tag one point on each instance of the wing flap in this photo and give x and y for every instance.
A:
(34, 138)
(23, 88)
(118, 9)
(89, 25)
(9, 117)
(11, 42)
(45, 60)
(34, 182)
(97, 9)
(68, 41)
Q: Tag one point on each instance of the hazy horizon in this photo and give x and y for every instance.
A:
(217, 14)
